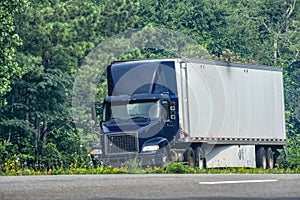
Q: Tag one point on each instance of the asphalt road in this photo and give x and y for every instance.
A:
(152, 186)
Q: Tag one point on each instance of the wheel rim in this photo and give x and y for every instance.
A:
(270, 159)
(264, 162)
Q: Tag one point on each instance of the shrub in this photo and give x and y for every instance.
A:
(179, 168)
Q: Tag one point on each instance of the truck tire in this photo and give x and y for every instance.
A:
(261, 158)
(270, 158)
(200, 160)
(189, 157)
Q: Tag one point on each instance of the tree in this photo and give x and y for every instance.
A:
(264, 31)
(9, 41)
(292, 95)
(38, 104)
(57, 36)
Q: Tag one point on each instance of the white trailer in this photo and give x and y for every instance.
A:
(235, 110)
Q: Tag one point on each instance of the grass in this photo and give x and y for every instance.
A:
(172, 168)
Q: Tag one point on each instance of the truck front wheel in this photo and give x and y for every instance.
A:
(189, 157)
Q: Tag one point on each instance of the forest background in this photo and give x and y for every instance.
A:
(44, 43)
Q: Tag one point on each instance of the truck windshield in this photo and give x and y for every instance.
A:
(131, 111)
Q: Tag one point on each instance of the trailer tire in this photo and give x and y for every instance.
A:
(200, 160)
(189, 157)
(270, 158)
(261, 158)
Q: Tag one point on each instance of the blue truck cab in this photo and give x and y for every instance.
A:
(140, 113)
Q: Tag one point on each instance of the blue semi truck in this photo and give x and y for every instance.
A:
(200, 112)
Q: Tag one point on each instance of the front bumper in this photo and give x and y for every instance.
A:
(147, 159)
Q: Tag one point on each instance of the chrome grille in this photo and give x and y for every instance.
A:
(121, 143)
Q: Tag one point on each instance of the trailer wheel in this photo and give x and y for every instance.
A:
(189, 157)
(200, 158)
(261, 158)
(270, 158)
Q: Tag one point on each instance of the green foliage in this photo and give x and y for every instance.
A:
(4, 152)
(9, 41)
(261, 29)
(16, 167)
(179, 168)
(43, 45)
(292, 95)
(50, 154)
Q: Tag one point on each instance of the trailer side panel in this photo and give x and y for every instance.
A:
(233, 103)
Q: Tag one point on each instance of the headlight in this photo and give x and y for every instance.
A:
(151, 148)
(96, 151)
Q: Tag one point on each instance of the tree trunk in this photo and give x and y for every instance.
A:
(37, 129)
(27, 112)
(12, 111)
(45, 127)
(275, 54)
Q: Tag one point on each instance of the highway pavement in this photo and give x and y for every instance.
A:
(152, 186)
